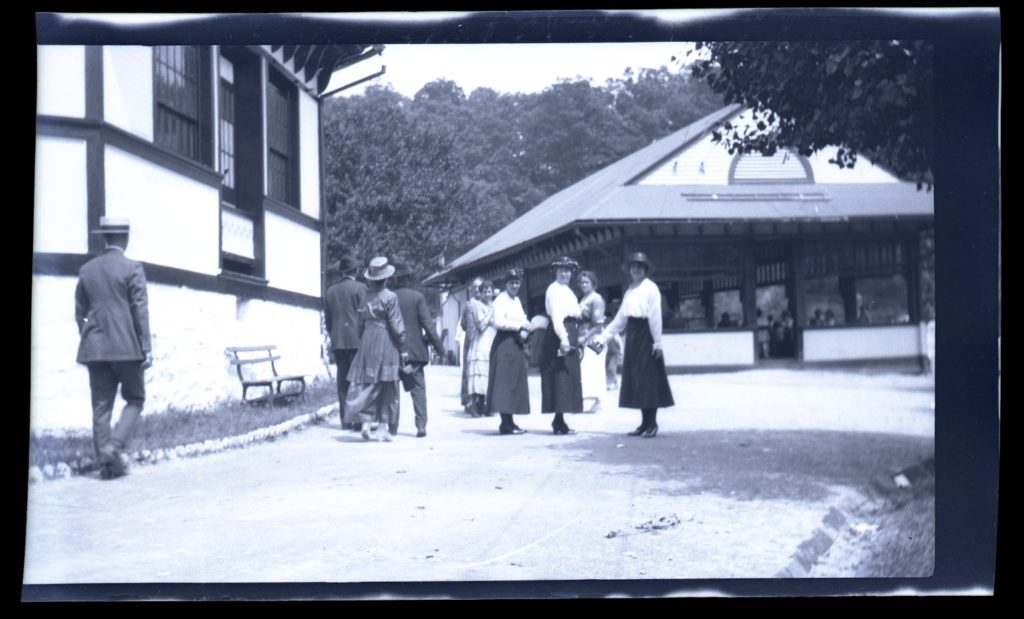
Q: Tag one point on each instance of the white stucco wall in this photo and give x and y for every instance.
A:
(60, 209)
(60, 80)
(292, 255)
(175, 220)
(309, 155)
(190, 330)
(881, 342)
(128, 88)
(698, 349)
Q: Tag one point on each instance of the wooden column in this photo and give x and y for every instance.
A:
(748, 286)
(707, 298)
(912, 273)
(796, 294)
(848, 289)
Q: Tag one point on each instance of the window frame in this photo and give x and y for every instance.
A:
(277, 81)
(204, 114)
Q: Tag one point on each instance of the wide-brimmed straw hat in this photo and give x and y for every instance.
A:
(379, 269)
(113, 225)
(639, 257)
(565, 262)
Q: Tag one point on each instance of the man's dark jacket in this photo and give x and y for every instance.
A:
(418, 322)
(112, 309)
(341, 313)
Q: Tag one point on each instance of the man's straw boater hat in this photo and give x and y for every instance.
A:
(113, 225)
(379, 269)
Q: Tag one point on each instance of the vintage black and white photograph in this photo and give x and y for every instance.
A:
(314, 302)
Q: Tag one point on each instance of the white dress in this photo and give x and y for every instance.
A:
(592, 366)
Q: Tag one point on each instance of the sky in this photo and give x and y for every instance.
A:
(507, 68)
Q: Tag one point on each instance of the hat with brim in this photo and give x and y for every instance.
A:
(511, 274)
(402, 272)
(113, 225)
(348, 263)
(565, 262)
(638, 258)
(379, 269)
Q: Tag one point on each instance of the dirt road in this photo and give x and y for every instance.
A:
(743, 470)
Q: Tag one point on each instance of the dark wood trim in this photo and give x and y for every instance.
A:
(291, 213)
(94, 82)
(870, 325)
(95, 189)
(104, 132)
(917, 363)
(129, 142)
(706, 330)
(67, 265)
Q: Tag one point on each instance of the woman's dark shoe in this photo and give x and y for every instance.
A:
(515, 430)
(638, 432)
(651, 432)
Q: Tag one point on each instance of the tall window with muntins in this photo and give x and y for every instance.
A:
(281, 140)
(180, 105)
(228, 188)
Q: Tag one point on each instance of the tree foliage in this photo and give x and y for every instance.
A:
(427, 178)
(868, 97)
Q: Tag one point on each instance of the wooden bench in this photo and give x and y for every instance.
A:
(243, 356)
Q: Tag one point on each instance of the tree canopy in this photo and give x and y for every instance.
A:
(868, 97)
(425, 179)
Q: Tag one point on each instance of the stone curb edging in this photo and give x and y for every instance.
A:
(879, 490)
(65, 470)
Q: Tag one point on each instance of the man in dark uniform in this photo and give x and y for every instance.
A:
(418, 322)
(341, 316)
(112, 312)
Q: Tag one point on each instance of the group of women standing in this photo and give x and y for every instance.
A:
(571, 357)
(571, 352)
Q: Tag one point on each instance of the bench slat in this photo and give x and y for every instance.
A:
(250, 348)
(251, 361)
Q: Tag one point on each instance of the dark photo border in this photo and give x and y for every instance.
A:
(968, 270)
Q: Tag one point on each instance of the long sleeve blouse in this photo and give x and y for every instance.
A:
(508, 313)
(561, 303)
(641, 300)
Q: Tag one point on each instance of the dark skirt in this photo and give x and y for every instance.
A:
(560, 384)
(507, 390)
(644, 379)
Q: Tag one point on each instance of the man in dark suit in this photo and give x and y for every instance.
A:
(341, 315)
(417, 319)
(112, 312)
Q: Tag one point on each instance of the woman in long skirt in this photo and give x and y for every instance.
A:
(373, 390)
(644, 379)
(469, 330)
(507, 391)
(479, 358)
(561, 389)
(592, 366)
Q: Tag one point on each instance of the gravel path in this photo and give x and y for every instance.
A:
(743, 470)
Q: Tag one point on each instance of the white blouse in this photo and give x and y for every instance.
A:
(641, 300)
(508, 314)
(561, 303)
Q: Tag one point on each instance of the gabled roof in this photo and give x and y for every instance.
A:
(611, 195)
(573, 202)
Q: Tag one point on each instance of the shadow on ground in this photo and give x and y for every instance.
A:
(754, 464)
